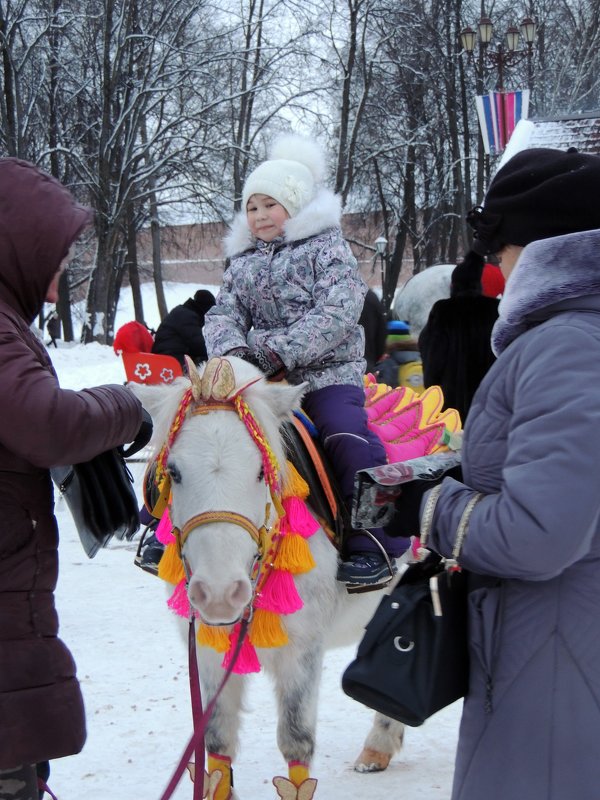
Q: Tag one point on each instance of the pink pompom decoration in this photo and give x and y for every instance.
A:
(279, 593)
(179, 601)
(298, 518)
(164, 529)
(247, 660)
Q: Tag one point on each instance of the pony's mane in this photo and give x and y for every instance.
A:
(258, 398)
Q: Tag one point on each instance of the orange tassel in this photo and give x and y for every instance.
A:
(266, 629)
(215, 636)
(294, 484)
(170, 566)
(294, 555)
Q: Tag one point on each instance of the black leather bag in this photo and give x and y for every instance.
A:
(413, 658)
(101, 498)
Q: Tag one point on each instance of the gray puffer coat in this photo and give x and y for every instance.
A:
(299, 296)
(532, 445)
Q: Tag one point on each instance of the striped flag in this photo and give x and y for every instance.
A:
(498, 114)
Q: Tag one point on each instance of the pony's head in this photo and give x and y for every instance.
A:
(217, 443)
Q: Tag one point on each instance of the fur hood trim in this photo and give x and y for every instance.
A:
(548, 272)
(323, 212)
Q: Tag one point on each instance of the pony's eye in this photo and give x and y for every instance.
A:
(261, 474)
(174, 472)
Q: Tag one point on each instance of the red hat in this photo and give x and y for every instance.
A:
(492, 281)
(133, 337)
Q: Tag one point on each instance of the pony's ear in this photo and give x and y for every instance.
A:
(285, 398)
(161, 402)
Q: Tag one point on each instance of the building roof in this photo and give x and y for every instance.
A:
(578, 130)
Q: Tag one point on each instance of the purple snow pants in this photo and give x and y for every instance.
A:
(338, 412)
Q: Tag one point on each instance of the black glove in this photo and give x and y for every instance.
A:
(142, 437)
(406, 520)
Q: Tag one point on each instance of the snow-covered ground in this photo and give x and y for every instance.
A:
(132, 664)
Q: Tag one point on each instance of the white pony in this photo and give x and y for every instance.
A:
(222, 486)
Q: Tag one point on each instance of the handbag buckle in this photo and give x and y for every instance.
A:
(435, 596)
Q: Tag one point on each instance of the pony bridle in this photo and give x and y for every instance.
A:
(212, 392)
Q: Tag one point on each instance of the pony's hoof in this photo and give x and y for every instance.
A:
(372, 761)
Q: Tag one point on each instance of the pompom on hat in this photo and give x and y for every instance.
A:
(539, 193)
(466, 277)
(295, 167)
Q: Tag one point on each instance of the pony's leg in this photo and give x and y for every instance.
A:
(221, 734)
(385, 738)
(297, 678)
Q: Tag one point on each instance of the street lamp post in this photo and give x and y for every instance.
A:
(381, 249)
(506, 54)
(500, 56)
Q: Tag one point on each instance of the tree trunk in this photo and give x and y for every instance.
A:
(132, 264)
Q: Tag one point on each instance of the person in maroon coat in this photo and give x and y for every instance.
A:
(41, 425)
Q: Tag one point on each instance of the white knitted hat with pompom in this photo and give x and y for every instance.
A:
(295, 167)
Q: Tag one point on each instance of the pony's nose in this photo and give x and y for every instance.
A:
(239, 593)
(198, 593)
(223, 606)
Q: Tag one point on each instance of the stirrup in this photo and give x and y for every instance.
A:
(148, 531)
(358, 588)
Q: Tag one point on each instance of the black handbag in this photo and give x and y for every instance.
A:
(101, 498)
(413, 658)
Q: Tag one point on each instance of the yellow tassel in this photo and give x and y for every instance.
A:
(170, 567)
(294, 554)
(294, 484)
(216, 637)
(266, 629)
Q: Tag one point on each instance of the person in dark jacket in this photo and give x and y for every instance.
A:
(180, 332)
(372, 319)
(53, 327)
(455, 344)
(41, 707)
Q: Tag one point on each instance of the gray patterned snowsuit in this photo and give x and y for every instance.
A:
(301, 297)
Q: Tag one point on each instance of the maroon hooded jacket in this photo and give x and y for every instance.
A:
(41, 425)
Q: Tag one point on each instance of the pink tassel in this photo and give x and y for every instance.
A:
(298, 518)
(164, 530)
(179, 601)
(247, 660)
(279, 593)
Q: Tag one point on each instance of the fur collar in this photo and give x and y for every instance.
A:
(324, 211)
(548, 272)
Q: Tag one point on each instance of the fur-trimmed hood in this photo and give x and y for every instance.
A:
(549, 273)
(324, 211)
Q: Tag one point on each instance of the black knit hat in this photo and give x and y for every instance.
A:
(538, 194)
(466, 276)
(203, 300)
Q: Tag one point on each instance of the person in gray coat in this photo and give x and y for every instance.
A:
(290, 303)
(529, 495)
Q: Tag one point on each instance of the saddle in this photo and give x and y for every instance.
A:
(305, 452)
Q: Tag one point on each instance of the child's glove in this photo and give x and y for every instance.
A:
(266, 360)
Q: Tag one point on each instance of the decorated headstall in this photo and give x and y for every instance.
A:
(215, 390)
(282, 548)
